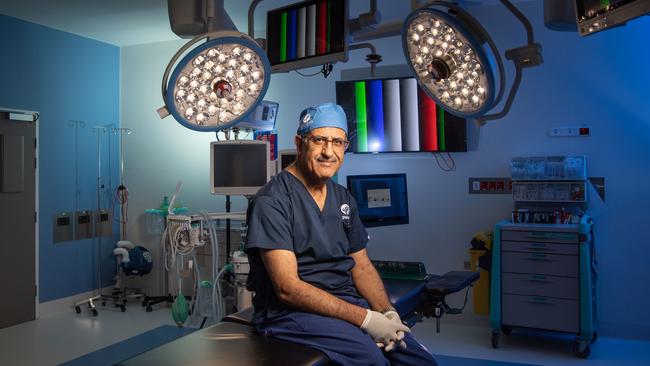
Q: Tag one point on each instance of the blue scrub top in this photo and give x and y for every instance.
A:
(283, 215)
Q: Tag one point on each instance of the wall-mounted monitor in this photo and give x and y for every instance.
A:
(306, 34)
(396, 115)
(262, 118)
(239, 167)
(381, 198)
(598, 15)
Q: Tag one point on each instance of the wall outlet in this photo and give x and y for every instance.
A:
(583, 131)
(495, 185)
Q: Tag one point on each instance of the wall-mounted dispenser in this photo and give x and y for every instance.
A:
(62, 227)
(103, 221)
(84, 225)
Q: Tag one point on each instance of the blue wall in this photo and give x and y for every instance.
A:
(65, 77)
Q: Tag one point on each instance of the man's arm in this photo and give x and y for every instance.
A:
(368, 283)
(282, 268)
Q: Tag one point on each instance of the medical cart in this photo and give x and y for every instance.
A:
(543, 264)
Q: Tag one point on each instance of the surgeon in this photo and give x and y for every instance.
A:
(313, 281)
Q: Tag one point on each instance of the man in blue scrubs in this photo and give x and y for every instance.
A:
(313, 281)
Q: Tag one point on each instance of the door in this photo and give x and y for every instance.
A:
(17, 220)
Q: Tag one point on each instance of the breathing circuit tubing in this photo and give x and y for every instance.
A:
(179, 240)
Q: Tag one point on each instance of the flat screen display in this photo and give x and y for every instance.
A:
(239, 167)
(381, 198)
(598, 15)
(396, 115)
(262, 118)
(309, 30)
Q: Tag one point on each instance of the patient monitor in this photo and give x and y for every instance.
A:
(239, 167)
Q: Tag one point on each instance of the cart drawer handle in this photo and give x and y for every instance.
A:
(538, 257)
(538, 246)
(539, 278)
(539, 300)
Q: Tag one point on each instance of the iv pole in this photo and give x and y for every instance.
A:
(98, 296)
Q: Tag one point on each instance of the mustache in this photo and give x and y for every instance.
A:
(321, 159)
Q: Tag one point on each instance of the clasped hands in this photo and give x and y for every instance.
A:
(385, 329)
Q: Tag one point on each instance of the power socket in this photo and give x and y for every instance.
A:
(569, 131)
(494, 185)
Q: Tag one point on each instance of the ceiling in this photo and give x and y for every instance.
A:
(131, 22)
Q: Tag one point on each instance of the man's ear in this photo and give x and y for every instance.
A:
(299, 141)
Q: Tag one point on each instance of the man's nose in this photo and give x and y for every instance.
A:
(328, 149)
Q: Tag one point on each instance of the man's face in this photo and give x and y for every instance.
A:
(321, 151)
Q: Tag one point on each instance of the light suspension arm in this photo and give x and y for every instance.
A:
(525, 56)
(251, 18)
(373, 58)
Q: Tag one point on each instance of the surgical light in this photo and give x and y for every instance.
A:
(446, 49)
(217, 83)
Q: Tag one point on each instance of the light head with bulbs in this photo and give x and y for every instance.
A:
(449, 64)
(217, 83)
(447, 51)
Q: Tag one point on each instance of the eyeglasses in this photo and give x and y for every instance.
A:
(337, 143)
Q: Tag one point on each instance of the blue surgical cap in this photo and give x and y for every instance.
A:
(322, 115)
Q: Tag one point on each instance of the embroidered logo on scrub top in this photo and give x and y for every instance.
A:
(345, 209)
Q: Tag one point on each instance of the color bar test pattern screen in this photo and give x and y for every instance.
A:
(304, 30)
(396, 115)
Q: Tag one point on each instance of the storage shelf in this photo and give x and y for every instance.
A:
(550, 191)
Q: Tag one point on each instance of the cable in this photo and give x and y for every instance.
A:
(308, 75)
(326, 70)
(216, 290)
(218, 305)
(197, 297)
(180, 236)
(164, 243)
(449, 166)
(210, 228)
(121, 195)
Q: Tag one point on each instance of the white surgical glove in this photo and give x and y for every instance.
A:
(394, 316)
(383, 330)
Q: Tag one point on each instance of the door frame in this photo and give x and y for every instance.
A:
(26, 116)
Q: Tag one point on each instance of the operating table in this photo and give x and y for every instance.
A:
(234, 341)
